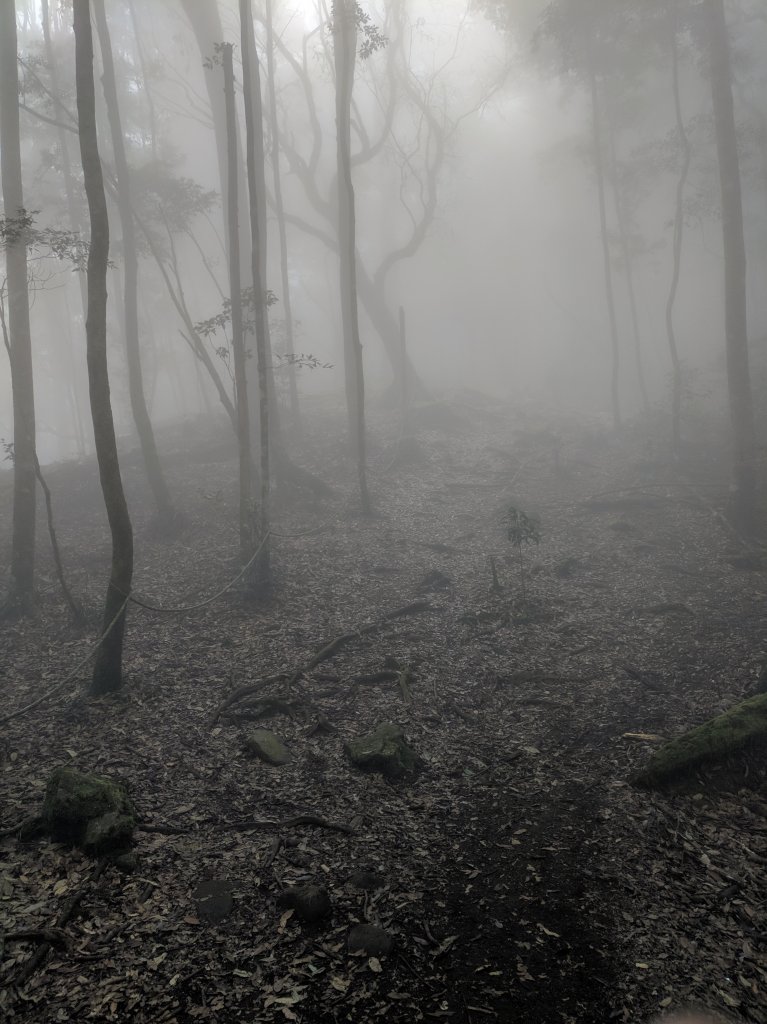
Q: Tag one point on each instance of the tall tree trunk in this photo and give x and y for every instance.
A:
(736, 318)
(21, 597)
(130, 271)
(206, 25)
(254, 146)
(598, 156)
(345, 52)
(238, 340)
(107, 672)
(684, 171)
(622, 217)
(73, 212)
(279, 209)
(404, 375)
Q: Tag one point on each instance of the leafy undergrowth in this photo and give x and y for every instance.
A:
(521, 875)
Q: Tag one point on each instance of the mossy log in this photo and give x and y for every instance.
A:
(736, 731)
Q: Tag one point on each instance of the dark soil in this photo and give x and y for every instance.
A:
(521, 875)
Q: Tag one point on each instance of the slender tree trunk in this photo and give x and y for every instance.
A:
(21, 597)
(145, 77)
(403, 374)
(684, 171)
(279, 209)
(238, 340)
(344, 49)
(192, 338)
(736, 318)
(107, 672)
(78, 618)
(141, 417)
(254, 146)
(77, 411)
(628, 263)
(598, 156)
(75, 219)
(206, 25)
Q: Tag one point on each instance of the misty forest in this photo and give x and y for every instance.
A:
(383, 563)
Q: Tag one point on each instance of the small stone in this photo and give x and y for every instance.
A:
(369, 939)
(214, 900)
(267, 746)
(310, 902)
(385, 750)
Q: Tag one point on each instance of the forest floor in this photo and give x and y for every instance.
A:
(521, 874)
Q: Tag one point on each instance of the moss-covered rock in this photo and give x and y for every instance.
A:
(109, 832)
(739, 729)
(310, 902)
(384, 750)
(267, 746)
(88, 811)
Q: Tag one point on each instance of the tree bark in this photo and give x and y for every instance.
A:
(609, 293)
(736, 318)
(279, 209)
(107, 672)
(344, 51)
(139, 409)
(628, 264)
(21, 597)
(75, 219)
(403, 375)
(684, 146)
(238, 340)
(206, 25)
(254, 147)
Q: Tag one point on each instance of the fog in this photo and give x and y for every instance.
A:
(383, 418)
(504, 288)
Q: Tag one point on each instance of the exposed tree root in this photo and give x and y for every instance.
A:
(326, 652)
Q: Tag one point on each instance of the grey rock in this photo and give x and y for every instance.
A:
(214, 899)
(267, 746)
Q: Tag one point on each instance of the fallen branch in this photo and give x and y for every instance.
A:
(299, 819)
(50, 935)
(244, 691)
(325, 653)
(386, 675)
(67, 912)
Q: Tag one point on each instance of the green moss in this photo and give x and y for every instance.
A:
(108, 832)
(385, 750)
(743, 726)
(88, 811)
